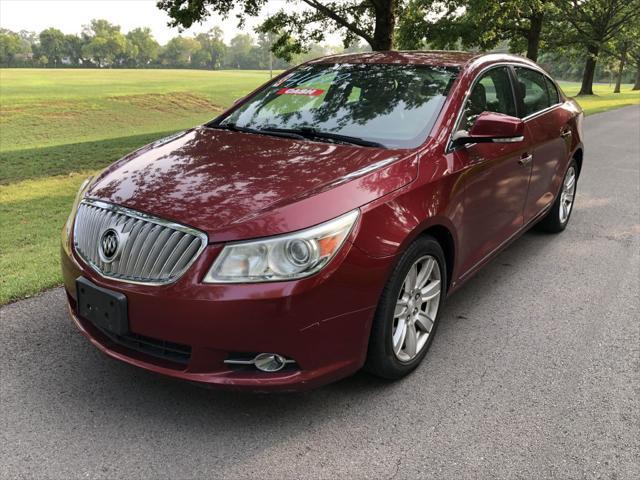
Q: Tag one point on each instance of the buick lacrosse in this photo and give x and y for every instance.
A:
(318, 225)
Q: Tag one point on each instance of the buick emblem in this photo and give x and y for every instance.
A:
(110, 244)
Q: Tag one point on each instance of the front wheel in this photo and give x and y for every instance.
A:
(407, 315)
(557, 218)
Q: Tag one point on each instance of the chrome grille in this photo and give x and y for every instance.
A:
(150, 250)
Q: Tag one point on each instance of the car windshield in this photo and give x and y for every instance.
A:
(393, 106)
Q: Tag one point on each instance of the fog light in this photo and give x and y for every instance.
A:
(269, 362)
(265, 362)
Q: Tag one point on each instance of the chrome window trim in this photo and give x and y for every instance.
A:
(450, 148)
(540, 112)
(204, 240)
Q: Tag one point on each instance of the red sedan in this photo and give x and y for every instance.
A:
(317, 226)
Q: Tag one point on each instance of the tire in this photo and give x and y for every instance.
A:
(383, 359)
(557, 219)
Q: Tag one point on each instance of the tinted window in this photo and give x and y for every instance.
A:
(554, 97)
(395, 105)
(532, 88)
(491, 93)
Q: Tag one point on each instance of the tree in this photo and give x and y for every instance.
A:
(52, 45)
(99, 27)
(104, 43)
(371, 20)
(128, 55)
(476, 23)
(314, 50)
(622, 48)
(28, 45)
(146, 49)
(621, 51)
(13, 47)
(9, 46)
(594, 23)
(211, 54)
(73, 48)
(634, 57)
(357, 47)
(264, 54)
(179, 51)
(239, 51)
(28, 37)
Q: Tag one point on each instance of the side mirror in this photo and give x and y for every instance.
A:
(491, 127)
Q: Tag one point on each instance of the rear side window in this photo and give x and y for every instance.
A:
(491, 93)
(554, 97)
(532, 88)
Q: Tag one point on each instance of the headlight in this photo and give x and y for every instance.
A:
(74, 207)
(285, 257)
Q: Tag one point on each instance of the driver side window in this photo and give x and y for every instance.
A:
(491, 93)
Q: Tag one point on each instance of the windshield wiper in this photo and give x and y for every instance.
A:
(301, 133)
(260, 131)
(310, 132)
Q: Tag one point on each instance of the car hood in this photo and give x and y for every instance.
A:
(235, 185)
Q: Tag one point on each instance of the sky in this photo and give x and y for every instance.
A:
(70, 15)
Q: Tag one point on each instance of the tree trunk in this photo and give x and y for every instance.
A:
(618, 78)
(636, 86)
(623, 60)
(589, 71)
(533, 37)
(385, 25)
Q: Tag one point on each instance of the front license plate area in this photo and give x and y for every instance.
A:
(104, 308)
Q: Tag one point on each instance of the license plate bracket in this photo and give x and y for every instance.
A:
(104, 308)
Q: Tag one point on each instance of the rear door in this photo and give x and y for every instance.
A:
(548, 129)
(495, 176)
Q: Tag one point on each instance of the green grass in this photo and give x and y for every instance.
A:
(66, 106)
(604, 98)
(32, 213)
(58, 126)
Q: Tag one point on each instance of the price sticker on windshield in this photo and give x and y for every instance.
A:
(309, 92)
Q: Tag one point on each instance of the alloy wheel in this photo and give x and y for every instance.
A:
(416, 308)
(567, 194)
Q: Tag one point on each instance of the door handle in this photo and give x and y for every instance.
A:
(525, 159)
(565, 133)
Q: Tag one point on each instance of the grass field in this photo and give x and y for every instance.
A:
(603, 99)
(58, 126)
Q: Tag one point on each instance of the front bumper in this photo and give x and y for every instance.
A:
(322, 322)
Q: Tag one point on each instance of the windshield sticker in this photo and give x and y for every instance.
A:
(310, 92)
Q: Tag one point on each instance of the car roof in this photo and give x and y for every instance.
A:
(441, 58)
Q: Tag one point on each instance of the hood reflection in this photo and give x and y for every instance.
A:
(213, 179)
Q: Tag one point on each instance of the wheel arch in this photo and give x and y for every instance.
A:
(445, 238)
(577, 156)
(388, 229)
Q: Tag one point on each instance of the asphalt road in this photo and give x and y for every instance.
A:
(535, 373)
